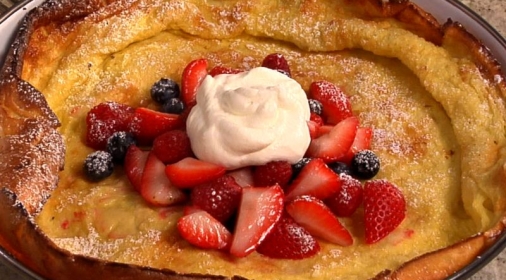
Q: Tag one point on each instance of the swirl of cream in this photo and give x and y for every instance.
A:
(249, 118)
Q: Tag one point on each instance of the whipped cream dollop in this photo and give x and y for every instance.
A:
(250, 118)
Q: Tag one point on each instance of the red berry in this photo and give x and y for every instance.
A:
(361, 142)
(148, 124)
(348, 198)
(220, 198)
(172, 146)
(104, 120)
(336, 105)
(384, 209)
(156, 188)
(193, 75)
(315, 179)
(334, 145)
(318, 219)
(135, 160)
(259, 210)
(317, 119)
(218, 70)
(276, 61)
(200, 229)
(190, 172)
(288, 240)
(274, 172)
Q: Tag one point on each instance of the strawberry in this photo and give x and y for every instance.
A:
(243, 176)
(384, 209)
(312, 214)
(103, 120)
(336, 105)
(314, 129)
(274, 172)
(156, 188)
(347, 199)
(259, 210)
(193, 75)
(147, 124)
(316, 118)
(190, 172)
(361, 142)
(276, 61)
(200, 229)
(288, 240)
(220, 197)
(172, 146)
(336, 144)
(324, 129)
(135, 160)
(315, 179)
(218, 70)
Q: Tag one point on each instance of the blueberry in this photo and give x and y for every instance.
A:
(118, 143)
(365, 164)
(340, 167)
(164, 89)
(296, 168)
(173, 106)
(98, 165)
(315, 106)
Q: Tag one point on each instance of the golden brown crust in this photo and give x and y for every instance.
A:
(34, 153)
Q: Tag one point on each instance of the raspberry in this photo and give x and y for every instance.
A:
(104, 120)
(274, 172)
(347, 199)
(172, 146)
(220, 198)
(276, 61)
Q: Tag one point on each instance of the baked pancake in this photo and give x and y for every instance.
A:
(432, 93)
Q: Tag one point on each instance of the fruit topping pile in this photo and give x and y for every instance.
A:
(278, 209)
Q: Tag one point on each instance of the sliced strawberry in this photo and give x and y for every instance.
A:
(104, 120)
(316, 118)
(135, 160)
(193, 74)
(318, 219)
(243, 176)
(200, 229)
(220, 197)
(361, 142)
(271, 173)
(259, 211)
(313, 129)
(147, 124)
(190, 172)
(172, 146)
(348, 198)
(218, 70)
(384, 209)
(324, 129)
(315, 179)
(336, 105)
(336, 144)
(156, 188)
(288, 240)
(277, 61)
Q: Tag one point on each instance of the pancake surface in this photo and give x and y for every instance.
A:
(439, 123)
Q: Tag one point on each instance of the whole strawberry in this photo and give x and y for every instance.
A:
(288, 240)
(384, 209)
(220, 198)
(274, 172)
